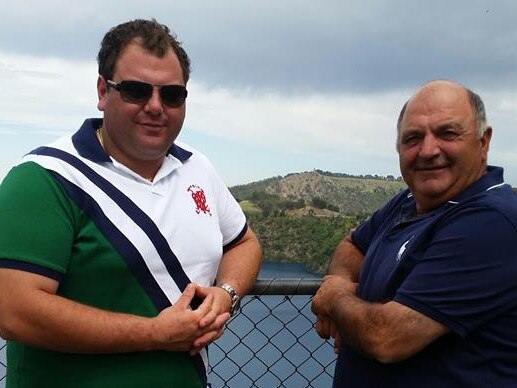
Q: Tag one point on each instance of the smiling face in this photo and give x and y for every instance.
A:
(139, 135)
(440, 153)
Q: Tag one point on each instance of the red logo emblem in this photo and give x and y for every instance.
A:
(198, 195)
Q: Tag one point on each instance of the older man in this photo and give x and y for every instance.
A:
(424, 293)
(111, 239)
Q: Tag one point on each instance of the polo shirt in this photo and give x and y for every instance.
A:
(457, 265)
(115, 241)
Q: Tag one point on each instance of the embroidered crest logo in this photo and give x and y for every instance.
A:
(198, 195)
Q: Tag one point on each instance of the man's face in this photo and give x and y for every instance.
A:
(136, 134)
(439, 151)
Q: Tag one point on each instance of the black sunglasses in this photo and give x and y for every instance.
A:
(138, 92)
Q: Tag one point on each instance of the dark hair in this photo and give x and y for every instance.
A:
(154, 37)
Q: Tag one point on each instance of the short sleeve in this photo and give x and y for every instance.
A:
(467, 274)
(37, 227)
(232, 221)
(367, 231)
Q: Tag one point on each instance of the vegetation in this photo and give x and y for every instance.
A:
(300, 218)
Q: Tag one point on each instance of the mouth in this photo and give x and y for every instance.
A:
(152, 126)
(431, 168)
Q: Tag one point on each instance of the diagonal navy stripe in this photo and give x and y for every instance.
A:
(127, 250)
(118, 240)
(147, 225)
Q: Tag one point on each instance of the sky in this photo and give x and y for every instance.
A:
(278, 86)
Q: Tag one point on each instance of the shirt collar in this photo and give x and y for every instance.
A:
(86, 143)
(492, 178)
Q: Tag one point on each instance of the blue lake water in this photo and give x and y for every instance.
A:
(272, 342)
(259, 353)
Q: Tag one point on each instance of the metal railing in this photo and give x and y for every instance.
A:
(270, 343)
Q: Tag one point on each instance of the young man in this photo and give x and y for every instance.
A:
(112, 239)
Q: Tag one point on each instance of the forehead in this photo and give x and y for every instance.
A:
(137, 61)
(436, 103)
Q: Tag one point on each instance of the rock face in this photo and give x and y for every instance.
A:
(301, 217)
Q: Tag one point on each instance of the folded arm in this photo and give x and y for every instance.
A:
(388, 332)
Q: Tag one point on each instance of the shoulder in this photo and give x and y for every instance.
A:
(31, 185)
(181, 151)
(491, 210)
(27, 175)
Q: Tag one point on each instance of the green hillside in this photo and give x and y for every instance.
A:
(301, 217)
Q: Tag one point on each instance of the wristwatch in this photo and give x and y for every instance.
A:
(236, 301)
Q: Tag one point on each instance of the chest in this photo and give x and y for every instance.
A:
(391, 256)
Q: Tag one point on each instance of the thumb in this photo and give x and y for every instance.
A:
(186, 297)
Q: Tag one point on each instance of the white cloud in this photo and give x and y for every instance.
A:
(47, 93)
(349, 124)
(45, 97)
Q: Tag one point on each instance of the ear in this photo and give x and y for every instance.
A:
(485, 142)
(102, 92)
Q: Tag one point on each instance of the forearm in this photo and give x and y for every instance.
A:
(346, 260)
(50, 321)
(240, 265)
(32, 313)
(387, 332)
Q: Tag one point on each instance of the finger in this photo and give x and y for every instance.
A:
(337, 343)
(205, 339)
(332, 330)
(318, 327)
(206, 312)
(315, 304)
(186, 297)
(206, 306)
(213, 321)
(202, 292)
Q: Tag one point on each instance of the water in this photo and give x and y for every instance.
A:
(269, 326)
(272, 341)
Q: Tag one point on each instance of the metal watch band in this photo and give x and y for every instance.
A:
(233, 295)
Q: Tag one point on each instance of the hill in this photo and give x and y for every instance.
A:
(301, 217)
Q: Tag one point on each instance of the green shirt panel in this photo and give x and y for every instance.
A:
(35, 215)
(42, 225)
(128, 370)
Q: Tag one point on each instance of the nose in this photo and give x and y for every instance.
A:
(154, 104)
(429, 147)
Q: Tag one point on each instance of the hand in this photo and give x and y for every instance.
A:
(331, 293)
(221, 307)
(326, 329)
(222, 300)
(178, 328)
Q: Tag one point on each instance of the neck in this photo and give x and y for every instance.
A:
(145, 170)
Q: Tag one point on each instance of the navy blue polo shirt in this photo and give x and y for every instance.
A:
(457, 265)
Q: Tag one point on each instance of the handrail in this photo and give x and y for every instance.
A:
(286, 286)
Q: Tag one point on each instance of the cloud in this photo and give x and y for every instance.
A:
(305, 84)
(48, 93)
(296, 46)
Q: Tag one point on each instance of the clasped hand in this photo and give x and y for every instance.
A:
(179, 328)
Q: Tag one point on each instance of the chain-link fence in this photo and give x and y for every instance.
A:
(2, 362)
(271, 343)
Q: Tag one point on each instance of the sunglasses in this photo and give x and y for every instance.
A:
(138, 92)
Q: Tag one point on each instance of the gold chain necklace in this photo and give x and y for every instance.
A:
(99, 137)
